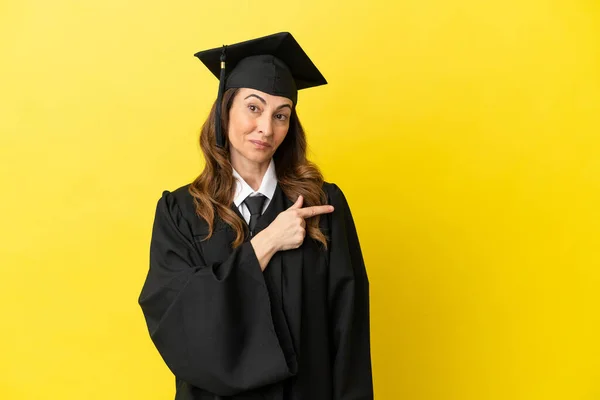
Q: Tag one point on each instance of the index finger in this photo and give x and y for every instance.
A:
(308, 212)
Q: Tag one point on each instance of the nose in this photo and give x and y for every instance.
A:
(265, 125)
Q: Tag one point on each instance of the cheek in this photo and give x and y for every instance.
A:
(240, 124)
(280, 133)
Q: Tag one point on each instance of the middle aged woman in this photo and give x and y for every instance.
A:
(257, 287)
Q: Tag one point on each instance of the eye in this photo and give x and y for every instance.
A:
(252, 108)
(281, 117)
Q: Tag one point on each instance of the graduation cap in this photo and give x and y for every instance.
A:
(274, 64)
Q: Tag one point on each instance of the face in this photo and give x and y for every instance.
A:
(258, 123)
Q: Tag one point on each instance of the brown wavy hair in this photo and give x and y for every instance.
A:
(214, 189)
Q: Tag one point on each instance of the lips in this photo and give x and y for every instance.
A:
(261, 144)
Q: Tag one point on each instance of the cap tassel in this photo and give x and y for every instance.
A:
(218, 131)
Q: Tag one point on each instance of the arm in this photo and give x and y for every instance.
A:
(264, 247)
(348, 306)
(211, 324)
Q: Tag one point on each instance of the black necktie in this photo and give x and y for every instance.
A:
(255, 205)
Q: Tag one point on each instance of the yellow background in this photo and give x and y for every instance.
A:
(464, 134)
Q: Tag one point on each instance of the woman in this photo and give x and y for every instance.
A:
(257, 287)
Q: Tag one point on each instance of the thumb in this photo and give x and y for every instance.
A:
(298, 203)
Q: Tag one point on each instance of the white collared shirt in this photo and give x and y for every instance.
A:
(243, 190)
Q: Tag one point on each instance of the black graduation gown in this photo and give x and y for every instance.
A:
(227, 330)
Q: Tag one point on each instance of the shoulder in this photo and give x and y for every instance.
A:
(178, 201)
(334, 193)
(330, 187)
(182, 194)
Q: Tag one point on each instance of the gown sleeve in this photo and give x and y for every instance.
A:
(211, 324)
(348, 306)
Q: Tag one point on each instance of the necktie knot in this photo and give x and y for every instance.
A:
(255, 205)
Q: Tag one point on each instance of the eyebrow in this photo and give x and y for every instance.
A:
(265, 103)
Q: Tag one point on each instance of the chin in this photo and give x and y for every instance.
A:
(262, 157)
(258, 157)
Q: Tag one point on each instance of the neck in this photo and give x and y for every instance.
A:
(252, 172)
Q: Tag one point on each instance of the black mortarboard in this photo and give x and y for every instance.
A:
(274, 64)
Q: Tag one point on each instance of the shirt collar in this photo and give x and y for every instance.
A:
(267, 186)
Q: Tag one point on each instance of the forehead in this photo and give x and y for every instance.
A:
(243, 93)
